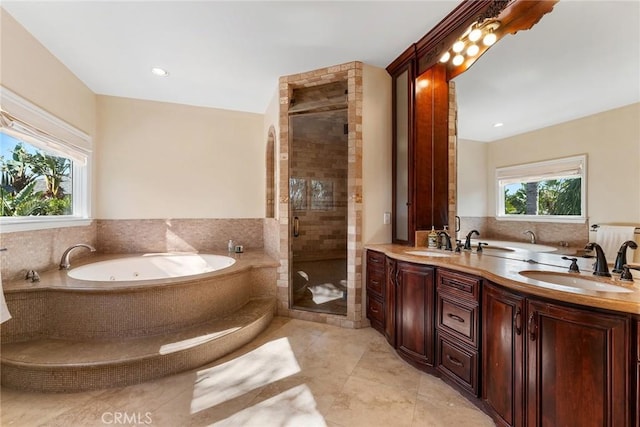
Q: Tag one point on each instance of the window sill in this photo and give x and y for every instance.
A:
(30, 224)
(533, 218)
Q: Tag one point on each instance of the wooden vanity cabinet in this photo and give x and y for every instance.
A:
(550, 364)
(414, 313)
(637, 340)
(502, 355)
(457, 328)
(375, 287)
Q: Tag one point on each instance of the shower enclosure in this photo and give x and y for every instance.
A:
(318, 196)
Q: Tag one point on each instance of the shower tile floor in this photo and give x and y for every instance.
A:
(295, 373)
(319, 285)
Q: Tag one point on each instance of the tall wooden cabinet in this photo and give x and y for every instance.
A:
(420, 148)
(546, 364)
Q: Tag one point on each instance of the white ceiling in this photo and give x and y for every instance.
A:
(230, 54)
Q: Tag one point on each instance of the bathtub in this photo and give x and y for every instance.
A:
(151, 267)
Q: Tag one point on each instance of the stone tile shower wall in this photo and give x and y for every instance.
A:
(321, 150)
(352, 73)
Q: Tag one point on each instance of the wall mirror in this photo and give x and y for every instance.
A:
(582, 59)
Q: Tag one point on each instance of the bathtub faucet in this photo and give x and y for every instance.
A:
(64, 261)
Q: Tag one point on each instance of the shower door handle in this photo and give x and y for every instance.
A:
(296, 226)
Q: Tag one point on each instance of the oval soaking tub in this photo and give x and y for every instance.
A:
(151, 267)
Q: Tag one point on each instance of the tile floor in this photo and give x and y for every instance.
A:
(296, 373)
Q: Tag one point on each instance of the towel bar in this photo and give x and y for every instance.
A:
(595, 227)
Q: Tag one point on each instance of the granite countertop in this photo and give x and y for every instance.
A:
(503, 268)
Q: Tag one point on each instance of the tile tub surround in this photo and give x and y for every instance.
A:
(349, 378)
(175, 235)
(70, 335)
(61, 307)
(41, 250)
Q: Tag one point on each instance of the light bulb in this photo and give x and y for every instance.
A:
(475, 35)
(458, 46)
(473, 50)
(458, 59)
(489, 39)
(159, 71)
(445, 57)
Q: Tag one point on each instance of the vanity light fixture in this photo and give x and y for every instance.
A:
(473, 50)
(458, 46)
(466, 45)
(159, 71)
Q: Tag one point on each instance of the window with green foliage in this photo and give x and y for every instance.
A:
(44, 168)
(33, 182)
(553, 190)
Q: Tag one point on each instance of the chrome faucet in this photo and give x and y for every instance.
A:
(621, 258)
(600, 267)
(64, 261)
(532, 236)
(467, 240)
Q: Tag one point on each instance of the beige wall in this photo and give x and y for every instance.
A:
(162, 160)
(611, 141)
(376, 154)
(31, 71)
(472, 178)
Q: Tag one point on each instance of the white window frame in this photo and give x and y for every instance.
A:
(45, 131)
(549, 169)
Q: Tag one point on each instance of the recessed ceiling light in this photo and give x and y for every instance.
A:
(497, 125)
(160, 72)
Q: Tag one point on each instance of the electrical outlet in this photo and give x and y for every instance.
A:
(386, 218)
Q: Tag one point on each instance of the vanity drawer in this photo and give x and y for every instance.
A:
(458, 363)
(458, 318)
(375, 281)
(375, 259)
(375, 313)
(463, 285)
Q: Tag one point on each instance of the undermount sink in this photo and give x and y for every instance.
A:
(575, 281)
(430, 253)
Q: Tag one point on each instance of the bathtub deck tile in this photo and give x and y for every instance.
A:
(47, 364)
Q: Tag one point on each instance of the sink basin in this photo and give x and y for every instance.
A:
(430, 253)
(506, 245)
(575, 281)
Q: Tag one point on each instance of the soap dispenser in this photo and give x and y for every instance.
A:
(432, 239)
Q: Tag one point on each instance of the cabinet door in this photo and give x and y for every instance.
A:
(402, 143)
(577, 367)
(415, 312)
(502, 355)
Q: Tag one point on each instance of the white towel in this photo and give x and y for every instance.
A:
(4, 311)
(325, 292)
(611, 237)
